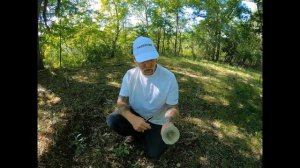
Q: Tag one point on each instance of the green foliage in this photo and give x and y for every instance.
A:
(121, 151)
(79, 143)
(77, 34)
(96, 54)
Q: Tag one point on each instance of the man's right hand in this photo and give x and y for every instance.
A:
(139, 124)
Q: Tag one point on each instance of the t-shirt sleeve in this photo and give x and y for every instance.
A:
(124, 87)
(172, 98)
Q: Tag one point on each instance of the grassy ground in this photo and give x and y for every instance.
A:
(220, 106)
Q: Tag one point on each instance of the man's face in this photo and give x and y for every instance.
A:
(148, 67)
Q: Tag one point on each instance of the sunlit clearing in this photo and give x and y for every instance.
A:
(196, 75)
(224, 101)
(210, 99)
(226, 132)
(196, 121)
(83, 79)
(214, 100)
(50, 113)
(225, 70)
(203, 161)
(45, 131)
(229, 130)
(46, 97)
(115, 84)
(184, 72)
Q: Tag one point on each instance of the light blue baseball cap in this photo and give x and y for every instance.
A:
(144, 49)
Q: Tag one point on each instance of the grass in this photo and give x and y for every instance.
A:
(220, 125)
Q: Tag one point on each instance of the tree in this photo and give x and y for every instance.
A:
(116, 12)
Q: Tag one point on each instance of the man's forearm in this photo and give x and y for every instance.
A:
(172, 112)
(125, 111)
(123, 108)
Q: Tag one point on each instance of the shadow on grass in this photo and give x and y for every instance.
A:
(80, 138)
(243, 105)
(242, 108)
(80, 115)
(209, 150)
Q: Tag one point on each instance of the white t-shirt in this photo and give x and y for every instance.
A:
(149, 94)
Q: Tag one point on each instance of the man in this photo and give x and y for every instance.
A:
(147, 101)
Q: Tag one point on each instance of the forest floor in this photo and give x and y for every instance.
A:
(220, 125)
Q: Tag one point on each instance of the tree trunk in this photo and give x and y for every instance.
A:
(218, 34)
(163, 41)
(146, 15)
(59, 42)
(168, 44)
(218, 48)
(158, 39)
(44, 13)
(193, 50)
(213, 51)
(114, 43)
(57, 9)
(39, 7)
(180, 44)
(40, 64)
(177, 22)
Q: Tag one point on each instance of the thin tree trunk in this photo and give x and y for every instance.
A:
(158, 39)
(114, 44)
(40, 64)
(168, 44)
(146, 15)
(177, 22)
(44, 13)
(57, 9)
(40, 60)
(163, 41)
(193, 50)
(218, 35)
(59, 42)
(39, 7)
(213, 50)
(180, 44)
(218, 47)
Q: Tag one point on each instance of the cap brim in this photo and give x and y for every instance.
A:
(146, 56)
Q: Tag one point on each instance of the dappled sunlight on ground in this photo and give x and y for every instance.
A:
(48, 115)
(220, 110)
(45, 132)
(83, 75)
(224, 70)
(185, 72)
(203, 161)
(115, 84)
(214, 100)
(228, 133)
(82, 78)
(205, 80)
(46, 97)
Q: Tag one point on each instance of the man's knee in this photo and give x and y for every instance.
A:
(111, 120)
